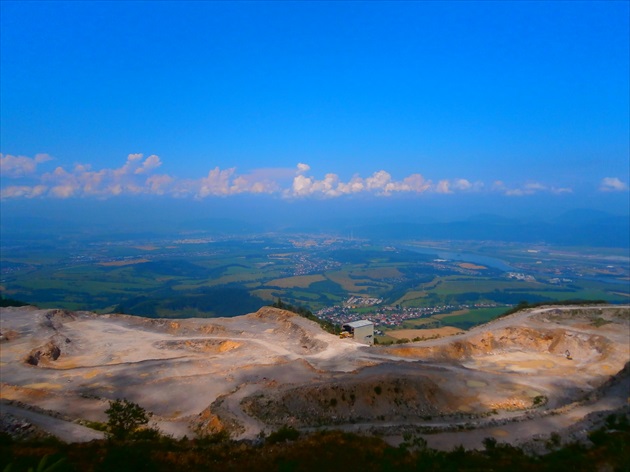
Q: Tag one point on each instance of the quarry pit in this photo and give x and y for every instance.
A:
(528, 374)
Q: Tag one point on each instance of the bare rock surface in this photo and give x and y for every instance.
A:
(510, 379)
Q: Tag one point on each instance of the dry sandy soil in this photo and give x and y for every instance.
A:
(509, 379)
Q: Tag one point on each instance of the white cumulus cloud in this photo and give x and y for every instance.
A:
(23, 191)
(20, 166)
(529, 188)
(150, 163)
(612, 184)
(458, 185)
(561, 190)
(443, 186)
(303, 168)
(379, 183)
(132, 178)
(138, 175)
(216, 183)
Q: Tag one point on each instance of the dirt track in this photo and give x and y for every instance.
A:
(263, 370)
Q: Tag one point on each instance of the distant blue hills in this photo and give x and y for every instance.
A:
(573, 228)
(580, 227)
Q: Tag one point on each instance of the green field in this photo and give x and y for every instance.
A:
(456, 285)
(463, 319)
(417, 323)
(472, 317)
(303, 281)
(227, 277)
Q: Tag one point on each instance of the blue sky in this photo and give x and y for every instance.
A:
(509, 104)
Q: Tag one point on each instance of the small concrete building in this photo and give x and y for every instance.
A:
(362, 331)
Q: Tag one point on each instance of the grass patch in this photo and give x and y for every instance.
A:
(599, 321)
(410, 296)
(417, 323)
(480, 315)
(301, 281)
(343, 279)
(301, 294)
(266, 294)
(384, 339)
(482, 285)
(377, 273)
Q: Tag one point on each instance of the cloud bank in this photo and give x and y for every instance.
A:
(529, 188)
(20, 166)
(613, 184)
(139, 175)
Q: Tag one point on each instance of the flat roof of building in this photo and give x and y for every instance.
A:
(359, 324)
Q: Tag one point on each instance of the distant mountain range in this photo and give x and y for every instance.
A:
(580, 227)
(574, 228)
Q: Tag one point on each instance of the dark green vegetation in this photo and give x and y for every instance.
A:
(326, 325)
(10, 302)
(471, 318)
(203, 302)
(128, 420)
(288, 450)
(199, 276)
(525, 305)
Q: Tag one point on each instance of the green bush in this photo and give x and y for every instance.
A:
(125, 418)
(284, 434)
(539, 400)
(490, 444)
